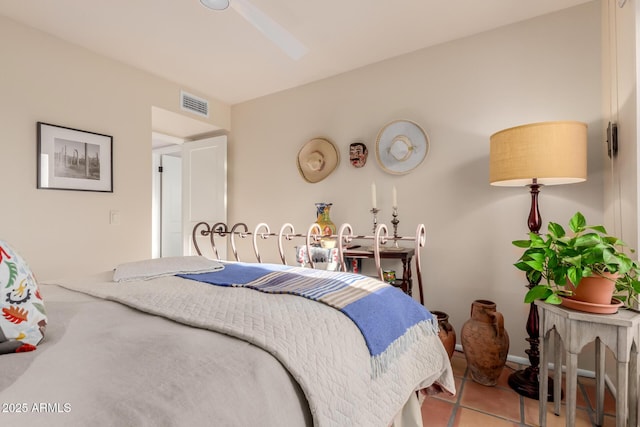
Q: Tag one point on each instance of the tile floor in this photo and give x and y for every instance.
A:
(478, 405)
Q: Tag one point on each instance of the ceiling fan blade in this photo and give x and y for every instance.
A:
(271, 29)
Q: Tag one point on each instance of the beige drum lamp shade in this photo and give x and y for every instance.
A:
(550, 153)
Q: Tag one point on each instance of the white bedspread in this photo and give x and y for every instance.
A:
(328, 357)
(103, 364)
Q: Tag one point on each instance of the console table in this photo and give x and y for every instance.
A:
(405, 283)
(620, 332)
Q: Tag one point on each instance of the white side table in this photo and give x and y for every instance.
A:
(618, 331)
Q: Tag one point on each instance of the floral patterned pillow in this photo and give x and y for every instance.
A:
(22, 315)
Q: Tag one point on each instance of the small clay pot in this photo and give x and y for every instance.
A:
(446, 332)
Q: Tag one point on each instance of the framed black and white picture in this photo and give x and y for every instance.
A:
(72, 159)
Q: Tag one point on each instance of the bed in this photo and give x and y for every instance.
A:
(151, 344)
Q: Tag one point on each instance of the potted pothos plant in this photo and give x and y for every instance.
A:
(557, 262)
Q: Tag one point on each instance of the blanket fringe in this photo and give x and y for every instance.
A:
(381, 362)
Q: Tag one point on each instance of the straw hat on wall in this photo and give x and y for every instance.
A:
(317, 159)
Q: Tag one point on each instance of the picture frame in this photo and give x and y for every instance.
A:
(73, 159)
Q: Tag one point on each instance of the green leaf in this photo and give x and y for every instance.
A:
(536, 256)
(522, 266)
(537, 241)
(534, 276)
(598, 228)
(625, 265)
(538, 292)
(522, 243)
(574, 274)
(577, 223)
(553, 299)
(575, 261)
(608, 257)
(536, 265)
(588, 240)
(556, 230)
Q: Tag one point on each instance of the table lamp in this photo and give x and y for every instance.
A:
(535, 155)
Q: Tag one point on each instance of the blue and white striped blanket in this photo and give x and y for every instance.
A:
(388, 319)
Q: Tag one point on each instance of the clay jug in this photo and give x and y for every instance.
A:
(446, 332)
(485, 342)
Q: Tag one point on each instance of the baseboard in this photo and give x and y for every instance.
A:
(581, 372)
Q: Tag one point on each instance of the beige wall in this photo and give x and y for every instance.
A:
(45, 79)
(461, 92)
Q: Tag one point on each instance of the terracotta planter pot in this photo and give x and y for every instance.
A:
(594, 289)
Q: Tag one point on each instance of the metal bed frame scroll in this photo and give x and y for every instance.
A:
(312, 237)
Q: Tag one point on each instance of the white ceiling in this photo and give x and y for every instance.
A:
(223, 56)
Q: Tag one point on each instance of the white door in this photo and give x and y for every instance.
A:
(171, 205)
(204, 186)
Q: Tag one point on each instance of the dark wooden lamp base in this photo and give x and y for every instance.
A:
(525, 383)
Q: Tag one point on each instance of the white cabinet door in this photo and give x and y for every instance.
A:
(204, 186)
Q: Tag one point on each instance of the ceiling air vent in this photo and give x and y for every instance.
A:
(194, 104)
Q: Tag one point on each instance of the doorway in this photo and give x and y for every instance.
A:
(189, 186)
(188, 180)
(167, 201)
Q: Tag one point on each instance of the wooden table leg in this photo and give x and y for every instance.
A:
(572, 388)
(557, 373)
(599, 382)
(544, 369)
(633, 387)
(622, 408)
(406, 276)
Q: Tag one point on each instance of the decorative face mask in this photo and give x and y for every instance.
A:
(358, 154)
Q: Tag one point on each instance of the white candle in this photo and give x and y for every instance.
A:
(394, 198)
(373, 195)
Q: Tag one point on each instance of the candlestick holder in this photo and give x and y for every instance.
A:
(375, 211)
(395, 221)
